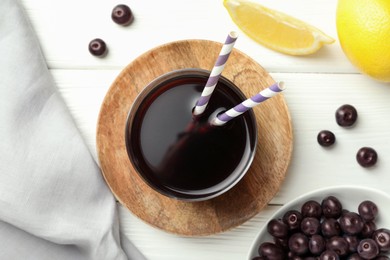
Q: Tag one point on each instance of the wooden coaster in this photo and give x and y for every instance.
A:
(226, 211)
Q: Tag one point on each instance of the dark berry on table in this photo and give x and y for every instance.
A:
(382, 238)
(292, 219)
(368, 229)
(259, 258)
(271, 251)
(326, 138)
(346, 115)
(294, 257)
(368, 249)
(317, 244)
(97, 47)
(281, 242)
(298, 244)
(310, 226)
(337, 244)
(353, 242)
(277, 228)
(122, 14)
(291, 255)
(368, 210)
(366, 157)
(351, 223)
(329, 255)
(331, 207)
(355, 256)
(330, 227)
(344, 211)
(311, 208)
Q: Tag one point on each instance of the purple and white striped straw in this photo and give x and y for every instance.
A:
(248, 104)
(215, 73)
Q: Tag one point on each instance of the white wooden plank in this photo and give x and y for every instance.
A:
(316, 86)
(159, 245)
(65, 29)
(312, 100)
(83, 92)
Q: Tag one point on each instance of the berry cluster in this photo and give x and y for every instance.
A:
(346, 116)
(122, 15)
(326, 231)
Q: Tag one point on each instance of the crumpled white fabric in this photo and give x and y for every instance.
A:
(54, 203)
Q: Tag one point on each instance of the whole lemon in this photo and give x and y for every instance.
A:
(363, 28)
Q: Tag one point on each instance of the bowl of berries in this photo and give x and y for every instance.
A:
(341, 222)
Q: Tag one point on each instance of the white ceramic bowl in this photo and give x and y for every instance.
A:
(349, 196)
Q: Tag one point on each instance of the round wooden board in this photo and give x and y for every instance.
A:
(226, 211)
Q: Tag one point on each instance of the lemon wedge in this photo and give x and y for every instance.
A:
(276, 30)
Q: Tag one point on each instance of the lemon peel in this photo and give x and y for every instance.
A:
(276, 30)
(363, 28)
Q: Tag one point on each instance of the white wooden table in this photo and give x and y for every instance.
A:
(316, 86)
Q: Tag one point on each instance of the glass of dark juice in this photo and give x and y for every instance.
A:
(181, 155)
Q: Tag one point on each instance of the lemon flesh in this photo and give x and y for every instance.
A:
(276, 30)
(363, 28)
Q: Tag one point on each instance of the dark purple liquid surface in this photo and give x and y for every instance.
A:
(178, 153)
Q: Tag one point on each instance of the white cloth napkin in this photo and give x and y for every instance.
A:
(54, 203)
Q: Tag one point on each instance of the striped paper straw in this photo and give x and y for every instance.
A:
(248, 104)
(215, 73)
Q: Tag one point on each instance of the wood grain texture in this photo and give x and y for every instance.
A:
(234, 207)
(316, 86)
(201, 19)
